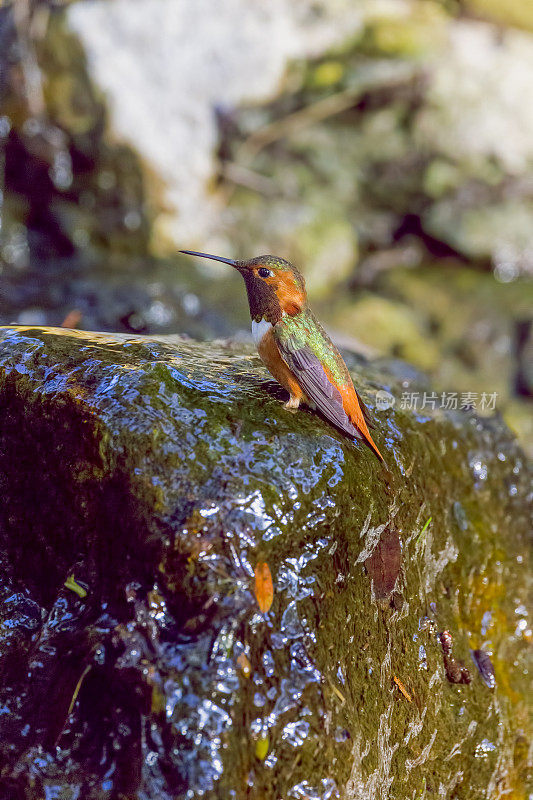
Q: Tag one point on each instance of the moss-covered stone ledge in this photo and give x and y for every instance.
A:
(143, 481)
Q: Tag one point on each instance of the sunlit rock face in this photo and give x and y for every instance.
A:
(487, 138)
(147, 482)
(210, 57)
(468, 134)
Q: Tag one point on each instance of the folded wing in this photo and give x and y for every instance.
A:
(314, 381)
(341, 407)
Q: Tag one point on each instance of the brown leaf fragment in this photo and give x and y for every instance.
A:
(456, 672)
(72, 320)
(402, 689)
(383, 564)
(446, 642)
(244, 663)
(264, 588)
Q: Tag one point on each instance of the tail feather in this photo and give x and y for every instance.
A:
(358, 413)
(371, 444)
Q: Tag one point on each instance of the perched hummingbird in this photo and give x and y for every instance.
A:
(295, 348)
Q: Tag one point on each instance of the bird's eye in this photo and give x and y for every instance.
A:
(263, 272)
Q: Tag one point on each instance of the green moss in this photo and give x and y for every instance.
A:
(517, 13)
(414, 32)
(387, 325)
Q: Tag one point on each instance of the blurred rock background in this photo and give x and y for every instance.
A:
(386, 146)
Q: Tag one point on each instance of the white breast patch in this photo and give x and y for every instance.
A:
(259, 329)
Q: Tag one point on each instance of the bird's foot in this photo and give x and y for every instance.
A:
(292, 403)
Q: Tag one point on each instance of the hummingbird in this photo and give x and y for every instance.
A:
(295, 348)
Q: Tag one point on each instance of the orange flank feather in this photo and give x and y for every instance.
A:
(269, 353)
(350, 403)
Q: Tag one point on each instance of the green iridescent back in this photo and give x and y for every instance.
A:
(304, 330)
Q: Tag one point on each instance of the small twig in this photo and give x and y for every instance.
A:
(296, 121)
(77, 689)
(243, 176)
(73, 701)
(316, 112)
(337, 691)
(402, 689)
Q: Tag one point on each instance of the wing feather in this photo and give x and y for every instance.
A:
(312, 378)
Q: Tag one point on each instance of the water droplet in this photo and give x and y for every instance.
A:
(484, 748)
(341, 735)
(106, 179)
(5, 126)
(484, 664)
(460, 515)
(291, 625)
(486, 622)
(295, 732)
(158, 313)
(270, 761)
(191, 304)
(327, 790)
(479, 469)
(132, 220)
(61, 170)
(268, 663)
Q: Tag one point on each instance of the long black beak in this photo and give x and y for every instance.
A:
(214, 258)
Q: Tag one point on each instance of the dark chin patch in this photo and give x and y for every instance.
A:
(262, 299)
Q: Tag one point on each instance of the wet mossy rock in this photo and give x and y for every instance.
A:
(144, 480)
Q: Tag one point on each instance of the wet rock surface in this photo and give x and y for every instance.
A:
(382, 167)
(147, 483)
